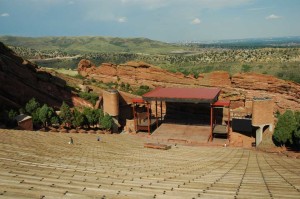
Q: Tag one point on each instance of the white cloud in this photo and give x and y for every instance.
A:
(122, 19)
(272, 16)
(196, 21)
(71, 2)
(4, 15)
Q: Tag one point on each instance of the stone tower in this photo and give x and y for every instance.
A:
(262, 115)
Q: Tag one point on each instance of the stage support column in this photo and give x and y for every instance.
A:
(134, 118)
(156, 113)
(211, 122)
(148, 114)
(228, 124)
(161, 111)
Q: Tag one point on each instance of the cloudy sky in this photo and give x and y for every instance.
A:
(164, 20)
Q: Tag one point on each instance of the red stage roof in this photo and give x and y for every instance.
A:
(222, 103)
(137, 100)
(196, 95)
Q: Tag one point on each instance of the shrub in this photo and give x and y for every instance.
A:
(196, 75)
(78, 76)
(91, 97)
(106, 122)
(285, 128)
(112, 84)
(184, 71)
(142, 90)
(280, 74)
(12, 114)
(297, 130)
(125, 87)
(246, 68)
(92, 115)
(172, 70)
(54, 120)
(11, 122)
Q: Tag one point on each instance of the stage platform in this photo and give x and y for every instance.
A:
(181, 133)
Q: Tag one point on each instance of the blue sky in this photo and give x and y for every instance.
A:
(164, 20)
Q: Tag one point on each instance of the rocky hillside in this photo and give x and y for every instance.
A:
(21, 80)
(240, 88)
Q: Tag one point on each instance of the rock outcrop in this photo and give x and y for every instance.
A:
(240, 88)
(21, 80)
(286, 94)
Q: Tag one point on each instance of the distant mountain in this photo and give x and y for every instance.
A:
(293, 41)
(99, 44)
(90, 44)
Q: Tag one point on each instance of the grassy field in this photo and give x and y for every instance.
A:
(64, 71)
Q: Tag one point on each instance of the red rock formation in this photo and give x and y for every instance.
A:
(219, 78)
(240, 88)
(286, 94)
(21, 80)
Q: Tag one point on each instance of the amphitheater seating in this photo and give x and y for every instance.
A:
(44, 165)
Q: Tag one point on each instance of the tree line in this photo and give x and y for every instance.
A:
(45, 116)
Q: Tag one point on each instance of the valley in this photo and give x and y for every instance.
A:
(279, 59)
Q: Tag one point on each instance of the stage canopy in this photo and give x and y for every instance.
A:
(193, 95)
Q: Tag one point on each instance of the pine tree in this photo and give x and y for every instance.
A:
(65, 114)
(31, 106)
(78, 118)
(45, 114)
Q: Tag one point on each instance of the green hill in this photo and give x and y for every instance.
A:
(91, 44)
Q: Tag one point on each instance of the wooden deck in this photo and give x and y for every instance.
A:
(44, 165)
